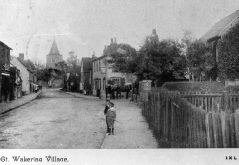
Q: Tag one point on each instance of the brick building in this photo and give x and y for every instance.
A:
(4, 72)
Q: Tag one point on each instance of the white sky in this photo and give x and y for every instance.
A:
(84, 26)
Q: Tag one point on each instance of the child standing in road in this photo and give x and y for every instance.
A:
(111, 116)
(105, 112)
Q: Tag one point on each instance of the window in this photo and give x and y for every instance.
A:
(116, 80)
(97, 84)
(99, 65)
(104, 84)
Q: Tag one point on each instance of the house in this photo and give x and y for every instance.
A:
(15, 83)
(103, 75)
(218, 31)
(29, 79)
(72, 77)
(4, 72)
(86, 75)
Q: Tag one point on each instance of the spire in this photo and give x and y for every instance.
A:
(54, 49)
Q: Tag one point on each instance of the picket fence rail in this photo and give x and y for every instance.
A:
(192, 121)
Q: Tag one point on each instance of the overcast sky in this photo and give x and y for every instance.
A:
(84, 26)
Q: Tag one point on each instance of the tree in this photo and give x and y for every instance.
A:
(228, 59)
(44, 74)
(187, 39)
(72, 59)
(122, 58)
(161, 61)
(200, 61)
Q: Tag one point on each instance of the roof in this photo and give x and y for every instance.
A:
(5, 45)
(24, 64)
(54, 49)
(87, 63)
(221, 27)
(98, 58)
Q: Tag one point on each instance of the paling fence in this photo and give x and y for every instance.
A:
(192, 120)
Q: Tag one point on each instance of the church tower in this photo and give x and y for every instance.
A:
(54, 56)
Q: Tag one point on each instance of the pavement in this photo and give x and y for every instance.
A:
(131, 129)
(8, 106)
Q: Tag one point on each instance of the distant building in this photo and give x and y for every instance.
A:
(51, 60)
(86, 75)
(4, 72)
(28, 77)
(53, 57)
(103, 74)
(15, 83)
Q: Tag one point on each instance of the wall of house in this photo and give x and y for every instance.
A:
(4, 59)
(100, 73)
(24, 74)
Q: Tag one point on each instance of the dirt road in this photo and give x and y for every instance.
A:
(56, 120)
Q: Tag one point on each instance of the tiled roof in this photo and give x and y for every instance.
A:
(221, 27)
(98, 58)
(5, 45)
(25, 65)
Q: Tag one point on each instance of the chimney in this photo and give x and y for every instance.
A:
(21, 56)
(93, 56)
(115, 39)
(154, 32)
(111, 40)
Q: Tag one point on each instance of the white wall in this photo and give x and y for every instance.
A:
(24, 74)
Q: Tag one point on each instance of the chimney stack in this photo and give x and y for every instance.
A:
(21, 56)
(154, 32)
(112, 41)
(93, 56)
(115, 39)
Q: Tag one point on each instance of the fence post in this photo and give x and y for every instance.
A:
(225, 101)
(207, 130)
(237, 127)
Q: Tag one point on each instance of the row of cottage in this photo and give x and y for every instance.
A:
(95, 75)
(16, 78)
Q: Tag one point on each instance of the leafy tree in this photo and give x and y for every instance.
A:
(122, 58)
(44, 74)
(200, 61)
(72, 59)
(161, 61)
(228, 59)
(187, 39)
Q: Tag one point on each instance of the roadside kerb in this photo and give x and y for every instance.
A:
(5, 107)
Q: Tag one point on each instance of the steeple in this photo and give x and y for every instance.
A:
(54, 50)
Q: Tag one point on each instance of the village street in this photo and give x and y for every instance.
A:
(57, 120)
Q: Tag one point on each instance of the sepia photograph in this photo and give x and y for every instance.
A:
(119, 81)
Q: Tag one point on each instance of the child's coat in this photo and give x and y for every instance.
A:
(111, 116)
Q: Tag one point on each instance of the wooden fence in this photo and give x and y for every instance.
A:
(179, 124)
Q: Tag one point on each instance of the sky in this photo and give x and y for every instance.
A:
(85, 26)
